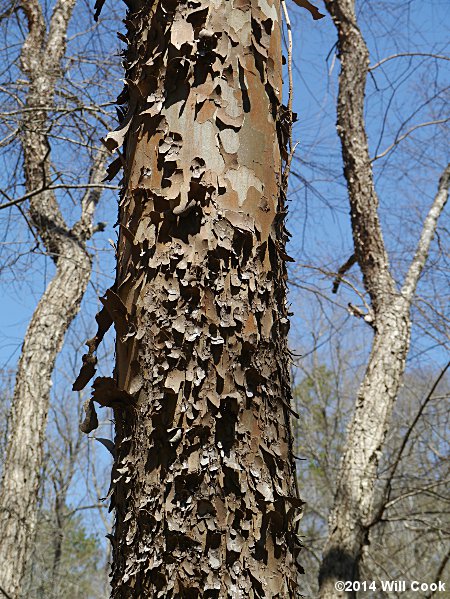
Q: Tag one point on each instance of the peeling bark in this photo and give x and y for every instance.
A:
(352, 513)
(203, 484)
(40, 60)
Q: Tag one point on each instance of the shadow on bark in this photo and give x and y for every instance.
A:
(339, 565)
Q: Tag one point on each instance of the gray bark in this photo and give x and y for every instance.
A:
(41, 55)
(352, 513)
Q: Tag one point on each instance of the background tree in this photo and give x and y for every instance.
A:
(416, 119)
(388, 314)
(40, 114)
(69, 553)
(408, 537)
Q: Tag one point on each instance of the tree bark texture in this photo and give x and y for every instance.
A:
(203, 484)
(352, 513)
(40, 61)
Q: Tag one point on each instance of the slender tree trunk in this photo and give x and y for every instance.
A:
(353, 508)
(40, 60)
(352, 513)
(58, 540)
(204, 480)
(24, 453)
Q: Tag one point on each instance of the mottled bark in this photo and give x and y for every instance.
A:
(203, 483)
(40, 61)
(353, 505)
(352, 513)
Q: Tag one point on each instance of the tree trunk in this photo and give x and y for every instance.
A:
(352, 514)
(24, 454)
(389, 315)
(40, 60)
(204, 480)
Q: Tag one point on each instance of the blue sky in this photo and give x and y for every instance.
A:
(318, 210)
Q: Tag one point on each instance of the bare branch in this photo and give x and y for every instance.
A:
(7, 595)
(289, 64)
(330, 273)
(413, 492)
(56, 39)
(387, 489)
(400, 138)
(439, 572)
(410, 54)
(428, 232)
(36, 192)
(98, 506)
(292, 147)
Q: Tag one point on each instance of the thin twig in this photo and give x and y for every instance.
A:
(330, 273)
(5, 593)
(289, 60)
(287, 168)
(378, 64)
(407, 134)
(36, 192)
(439, 572)
(412, 493)
(292, 147)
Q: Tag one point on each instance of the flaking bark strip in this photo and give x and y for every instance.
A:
(87, 371)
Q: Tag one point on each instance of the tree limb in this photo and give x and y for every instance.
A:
(34, 42)
(36, 192)
(56, 38)
(428, 232)
(368, 240)
(83, 229)
(400, 54)
(341, 272)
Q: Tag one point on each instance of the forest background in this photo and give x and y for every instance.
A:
(408, 133)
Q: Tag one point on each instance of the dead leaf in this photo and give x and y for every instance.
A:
(117, 311)
(115, 138)
(98, 8)
(114, 168)
(110, 445)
